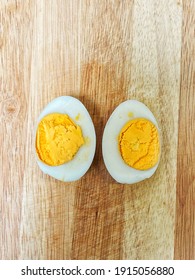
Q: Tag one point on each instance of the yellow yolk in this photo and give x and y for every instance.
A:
(58, 139)
(139, 144)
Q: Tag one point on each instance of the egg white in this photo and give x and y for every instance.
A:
(113, 160)
(78, 166)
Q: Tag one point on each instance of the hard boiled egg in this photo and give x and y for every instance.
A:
(65, 139)
(131, 143)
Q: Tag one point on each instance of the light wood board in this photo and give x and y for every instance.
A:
(102, 52)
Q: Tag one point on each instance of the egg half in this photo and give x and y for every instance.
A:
(65, 139)
(131, 143)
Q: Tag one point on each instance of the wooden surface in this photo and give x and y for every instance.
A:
(102, 52)
(185, 206)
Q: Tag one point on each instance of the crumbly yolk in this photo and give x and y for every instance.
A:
(139, 144)
(58, 139)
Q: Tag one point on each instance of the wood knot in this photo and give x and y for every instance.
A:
(10, 108)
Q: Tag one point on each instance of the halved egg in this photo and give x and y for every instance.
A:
(131, 143)
(65, 139)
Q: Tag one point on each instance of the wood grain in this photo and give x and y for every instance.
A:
(102, 52)
(185, 218)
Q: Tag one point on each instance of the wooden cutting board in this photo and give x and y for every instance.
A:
(102, 52)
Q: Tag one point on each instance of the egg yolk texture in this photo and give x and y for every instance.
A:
(139, 144)
(58, 139)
